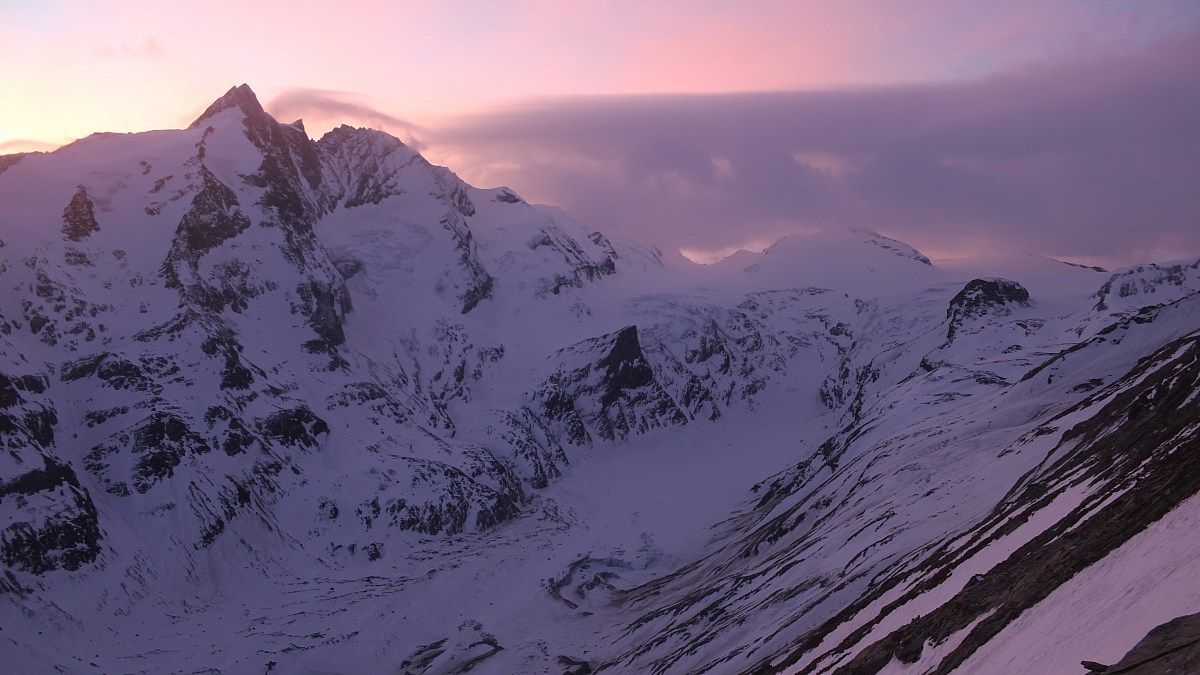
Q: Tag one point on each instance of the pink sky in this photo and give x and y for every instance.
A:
(130, 65)
(434, 70)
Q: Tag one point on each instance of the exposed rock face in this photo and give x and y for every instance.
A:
(240, 97)
(452, 503)
(1148, 284)
(981, 297)
(1172, 648)
(298, 428)
(480, 282)
(363, 166)
(508, 196)
(6, 161)
(79, 218)
(610, 395)
(366, 167)
(214, 218)
(537, 455)
(47, 519)
(897, 247)
(50, 521)
(583, 268)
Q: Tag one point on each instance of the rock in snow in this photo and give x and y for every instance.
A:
(275, 403)
(1173, 647)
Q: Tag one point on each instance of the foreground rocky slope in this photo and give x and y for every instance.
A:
(275, 403)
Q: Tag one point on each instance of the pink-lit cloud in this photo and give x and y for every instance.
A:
(25, 145)
(1095, 158)
(339, 107)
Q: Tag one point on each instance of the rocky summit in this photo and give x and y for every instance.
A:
(271, 404)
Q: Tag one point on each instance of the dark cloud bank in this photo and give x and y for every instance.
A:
(1095, 160)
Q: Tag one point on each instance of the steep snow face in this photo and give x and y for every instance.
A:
(860, 262)
(270, 403)
(182, 310)
(1144, 285)
(182, 300)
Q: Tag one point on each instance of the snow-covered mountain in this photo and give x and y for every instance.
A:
(279, 405)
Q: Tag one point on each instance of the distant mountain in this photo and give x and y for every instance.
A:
(271, 404)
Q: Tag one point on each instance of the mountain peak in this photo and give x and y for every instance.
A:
(241, 97)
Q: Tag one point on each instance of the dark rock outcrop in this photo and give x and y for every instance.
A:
(363, 165)
(611, 394)
(1143, 280)
(79, 218)
(215, 216)
(48, 520)
(1172, 648)
(52, 521)
(982, 297)
(297, 427)
(435, 499)
(240, 97)
(537, 455)
(582, 267)
(8, 161)
(158, 444)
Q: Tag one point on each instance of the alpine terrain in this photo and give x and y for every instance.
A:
(270, 404)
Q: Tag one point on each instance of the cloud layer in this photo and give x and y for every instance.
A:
(340, 107)
(1095, 159)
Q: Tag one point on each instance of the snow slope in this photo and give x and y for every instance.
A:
(320, 406)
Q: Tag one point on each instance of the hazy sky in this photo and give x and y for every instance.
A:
(1070, 126)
